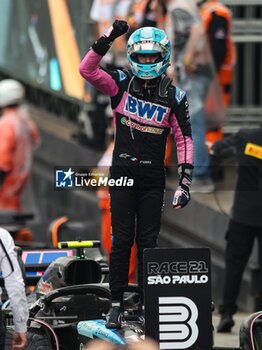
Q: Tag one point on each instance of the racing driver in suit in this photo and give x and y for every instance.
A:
(145, 106)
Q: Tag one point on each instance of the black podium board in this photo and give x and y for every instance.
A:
(178, 298)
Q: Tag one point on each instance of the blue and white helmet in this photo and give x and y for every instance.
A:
(148, 40)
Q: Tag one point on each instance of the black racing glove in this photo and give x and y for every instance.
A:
(117, 29)
(102, 45)
(182, 195)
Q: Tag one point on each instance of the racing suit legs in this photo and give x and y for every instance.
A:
(135, 214)
(106, 238)
(240, 241)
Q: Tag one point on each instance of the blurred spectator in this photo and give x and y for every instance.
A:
(15, 288)
(147, 13)
(104, 205)
(246, 219)
(158, 8)
(147, 344)
(191, 68)
(18, 135)
(103, 13)
(217, 20)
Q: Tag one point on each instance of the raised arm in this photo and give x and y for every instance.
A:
(89, 68)
(96, 76)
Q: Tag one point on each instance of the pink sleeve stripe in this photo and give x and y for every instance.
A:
(184, 144)
(96, 76)
(185, 150)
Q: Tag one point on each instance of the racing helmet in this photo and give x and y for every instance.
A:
(11, 92)
(148, 40)
(250, 333)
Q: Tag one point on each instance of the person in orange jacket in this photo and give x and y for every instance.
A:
(18, 135)
(217, 20)
(104, 205)
(147, 13)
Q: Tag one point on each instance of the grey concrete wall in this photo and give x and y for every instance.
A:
(48, 203)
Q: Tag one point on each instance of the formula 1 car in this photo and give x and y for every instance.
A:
(70, 301)
(68, 306)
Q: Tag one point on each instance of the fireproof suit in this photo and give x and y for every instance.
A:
(143, 115)
(246, 219)
(18, 135)
(104, 205)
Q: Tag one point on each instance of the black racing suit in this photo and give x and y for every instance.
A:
(246, 214)
(143, 116)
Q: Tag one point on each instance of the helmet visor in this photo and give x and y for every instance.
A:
(147, 47)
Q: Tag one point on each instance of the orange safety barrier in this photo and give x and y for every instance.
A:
(169, 143)
(55, 229)
(24, 235)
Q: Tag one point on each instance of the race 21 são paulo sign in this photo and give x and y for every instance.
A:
(178, 297)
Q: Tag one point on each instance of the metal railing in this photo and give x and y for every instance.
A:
(246, 102)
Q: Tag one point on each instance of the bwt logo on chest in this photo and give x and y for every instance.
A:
(145, 110)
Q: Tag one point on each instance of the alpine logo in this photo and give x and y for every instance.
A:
(177, 322)
(179, 95)
(145, 110)
(122, 75)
